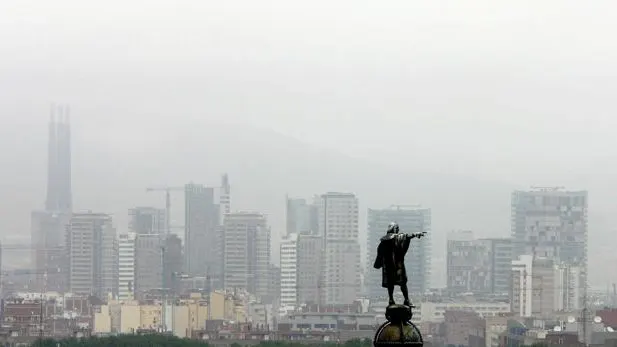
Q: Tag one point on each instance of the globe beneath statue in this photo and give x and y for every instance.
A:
(390, 334)
(398, 330)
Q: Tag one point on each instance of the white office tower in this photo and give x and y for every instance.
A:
(247, 252)
(535, 287)
(224, 197)
(411, 219)
(148, 220)
(339, 227)
(551, 223)
(93, 255)
(569, 287)
(126, 266)
(289, 272)
(522, 293)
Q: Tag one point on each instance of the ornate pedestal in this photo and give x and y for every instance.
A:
(398, 330)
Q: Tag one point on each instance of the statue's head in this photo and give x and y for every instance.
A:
(393, 228)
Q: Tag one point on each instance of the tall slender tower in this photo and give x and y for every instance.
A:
(225, 197)
(59, 191)
(49, 226)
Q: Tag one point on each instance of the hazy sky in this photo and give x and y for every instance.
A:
(516, 91)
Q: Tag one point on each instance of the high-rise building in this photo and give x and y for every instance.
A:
(49, 256)
(302, 217)
(126, 266)
(59, 194)
(339, 227)
(148, 263)
(310, 265)
(224, 197)
(247, 252)
(500, 260)
(93, 255)
(479, 266)
(569, 287)
(275, 285)
(468, 264)
(172, 262)
(544, 287)
(551, 223)
(48, 227)
(289, 271)
(148, 220)
(418, 258)
(201, 222)
(522, 293)
(535, 286)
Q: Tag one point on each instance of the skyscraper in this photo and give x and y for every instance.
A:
(93, 255)
(148, 263)
(302, 217)
(126, 266)
(224, 197)
(551, 223)
(247, 252)
(310, 264)
(289, 271)
(59, 194)
(339, 227)
(201, 222)
(172, 262)
(479, 266)
(418, 258)
(48, 227)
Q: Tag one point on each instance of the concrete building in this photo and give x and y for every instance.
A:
(310, 265)
(339, 227)
(173, 262)
(148, 263)
(224, 198)
(302, 217)
(467, 264)
(544, 287)
(551, 223)
(93, 255)
(479, 266)
(148, 220)
(274, 293)
(500, 259)
(49, 253)
(418, 259)
(522, 292)
(569, 286)
(201, 222)
(289, 271)
(126, 266)
(247, 252)
(48, 227)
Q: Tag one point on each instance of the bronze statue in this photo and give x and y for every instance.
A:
(391, 260)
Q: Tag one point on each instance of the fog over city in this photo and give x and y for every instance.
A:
(448, 104)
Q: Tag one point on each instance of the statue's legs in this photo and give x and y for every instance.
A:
(391, 294)
(405, 294)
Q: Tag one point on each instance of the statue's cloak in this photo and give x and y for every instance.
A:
(391, 259)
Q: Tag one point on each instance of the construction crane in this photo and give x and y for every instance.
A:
(167, 191)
